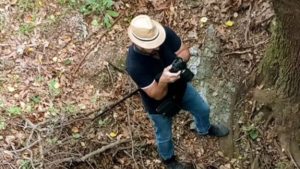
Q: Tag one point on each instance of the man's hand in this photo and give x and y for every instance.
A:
(168, 77)
(158, 90)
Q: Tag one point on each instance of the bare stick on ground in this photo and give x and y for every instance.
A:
(89, 155)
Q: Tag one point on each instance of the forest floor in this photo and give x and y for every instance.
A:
(60, 66)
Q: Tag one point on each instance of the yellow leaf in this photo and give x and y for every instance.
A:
(13, 2)
(30, 49)
(11, 89)
(40, 3)
(229, 23)
(82, 144)
(204, 19)
(82, 106)
(55, 59)
(113, 134)
(75, 130)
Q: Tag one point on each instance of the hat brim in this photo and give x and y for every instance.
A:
(149, 44)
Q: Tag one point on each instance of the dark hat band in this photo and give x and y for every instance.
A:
(146, 40)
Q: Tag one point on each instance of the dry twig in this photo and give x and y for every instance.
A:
(238, 52)
(110, 76)
(132, 141)
(249, 20)
(89, 155)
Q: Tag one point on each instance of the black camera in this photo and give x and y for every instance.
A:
(179, 65)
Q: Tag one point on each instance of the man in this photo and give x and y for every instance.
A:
(149, 61)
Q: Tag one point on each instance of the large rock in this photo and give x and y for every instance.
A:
(211, 84)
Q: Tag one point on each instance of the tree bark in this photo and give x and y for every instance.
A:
(280, 70)
(281, 66)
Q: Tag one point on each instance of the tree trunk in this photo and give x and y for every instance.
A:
(281, 66)
(280, 70)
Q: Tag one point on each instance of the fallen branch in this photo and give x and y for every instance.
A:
(117, 68)
(255, 164)
(130, 133)
(238, 52)
(25, 148)
(110, 107)
(249, 21)
(293, 159)
(104, 148)
(110, 75)
(89, 155)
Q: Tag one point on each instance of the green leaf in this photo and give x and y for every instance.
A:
(54, 87)
(2, 124)
(15, 110)
(52, 140)
(95, 22)
(112, 13)
(103, 123)
(107, 21)
(253, 134)
(25, 164)
(108, 3)
(67, 62)
(36, 99)
(76, 136)
(1, 104)
(26, 28)
(70, 108)
(53, 111)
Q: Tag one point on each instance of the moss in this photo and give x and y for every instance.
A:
(272, 62)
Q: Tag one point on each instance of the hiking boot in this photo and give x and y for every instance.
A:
(218, 131)
(214, 130)
(174, 164)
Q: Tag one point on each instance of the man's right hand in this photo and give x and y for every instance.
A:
(158, 90)
(169, 77)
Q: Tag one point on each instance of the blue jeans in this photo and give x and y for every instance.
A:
(191, 102)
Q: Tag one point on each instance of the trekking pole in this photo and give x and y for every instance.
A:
(110, 107)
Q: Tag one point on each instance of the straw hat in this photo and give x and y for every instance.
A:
(146, 33)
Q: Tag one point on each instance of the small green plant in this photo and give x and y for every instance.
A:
(76, 136)
(108, 17)
(54, 87)
(39, 79)
(1, 104)
(251, 131)
(103, 7)
(26, 28)
(53, 111)
(2, 124)
(2, 22)
(36, 99)
(52, 140)
(25, 164)
(67, 62)
(103, 123)
(95, 23)
(71, 3)
(26, 5)
(70, 108)
(14, 110)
